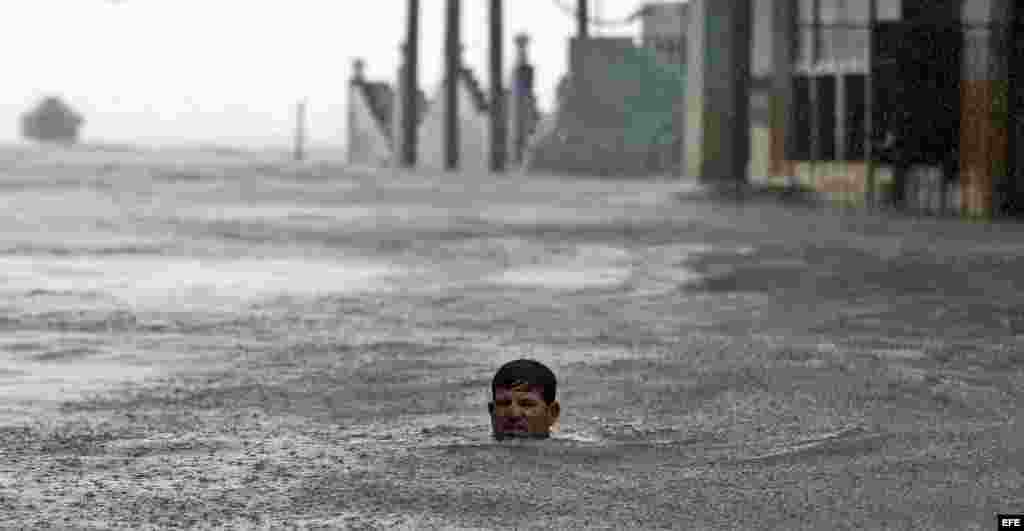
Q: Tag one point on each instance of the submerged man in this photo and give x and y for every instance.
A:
(523, 400)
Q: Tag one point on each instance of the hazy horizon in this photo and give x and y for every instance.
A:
(228, 72)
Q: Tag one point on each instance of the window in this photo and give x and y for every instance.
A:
(853, 12)
(806, 11)
(801, 135)
(825, 92)
(855, 110)
(843, 49)
(833, 43)
(890, 10)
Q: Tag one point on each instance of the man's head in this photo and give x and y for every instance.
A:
(523, 400)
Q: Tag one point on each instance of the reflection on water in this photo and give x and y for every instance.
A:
(269, 212)
(565, 267)
(220, 246)
(166, 283)
(555, 278)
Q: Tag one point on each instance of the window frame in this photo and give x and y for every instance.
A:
(830, 115)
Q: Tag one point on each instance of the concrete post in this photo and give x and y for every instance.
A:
(718, 91)
(357, 77)
(358, 71)
(783, 36)
(870, 175)
(498, 149)
(409, 83)
(582, 19)
(453, 68)
(300, 130)
(399, 135)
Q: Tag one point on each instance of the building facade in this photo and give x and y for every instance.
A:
(619, 113)
(915, 103)
(664, 30)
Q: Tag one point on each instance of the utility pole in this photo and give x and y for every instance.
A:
(300, 129)
(497, 89)
(869, 114)
(452, 49)
(582, 18)
(410, 93)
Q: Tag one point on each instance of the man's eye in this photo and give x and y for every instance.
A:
(503, 403)
(528, 404)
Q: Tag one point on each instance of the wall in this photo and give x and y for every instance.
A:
(616, 116)
(984, 118)
(764, 104)
(984, 112)
(397, 131)
(368, 143)
(474, 132)
(664, 30)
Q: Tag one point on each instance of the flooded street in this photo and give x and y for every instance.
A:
(229, 343)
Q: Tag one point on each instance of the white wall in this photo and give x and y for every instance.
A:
(474, 133)
(368, 143)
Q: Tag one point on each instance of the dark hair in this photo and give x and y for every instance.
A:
(527, 371)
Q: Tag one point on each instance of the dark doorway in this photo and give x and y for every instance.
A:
(916, 74)
(1012, 195)
(917, 80)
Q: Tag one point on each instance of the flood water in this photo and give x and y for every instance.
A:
(319, 344)
(107, 261)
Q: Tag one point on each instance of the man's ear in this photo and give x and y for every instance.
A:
(554, 410)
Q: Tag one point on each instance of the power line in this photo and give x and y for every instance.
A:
(625, 21)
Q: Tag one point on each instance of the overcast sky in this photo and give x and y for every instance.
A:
(230, 71)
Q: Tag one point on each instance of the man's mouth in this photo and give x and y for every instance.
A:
(514, 426)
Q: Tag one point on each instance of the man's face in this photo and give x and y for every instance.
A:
(520, 410)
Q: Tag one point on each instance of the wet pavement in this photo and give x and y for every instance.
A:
(228, 343)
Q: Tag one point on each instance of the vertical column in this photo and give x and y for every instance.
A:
(399, 136)
(784, 39)
(582, 18)
(1012, 196)
(718, 91)
(984, 149)
(815, 94)
(409, 85)
(452, 54)
(498, 120)
(871, 195)
(300, 130)
(354, 137)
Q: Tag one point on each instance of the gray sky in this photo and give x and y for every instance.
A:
(230, 71)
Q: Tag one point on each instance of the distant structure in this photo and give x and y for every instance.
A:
(370, 107)
(374, 123)
(524, 116)
(473, 125)
(620, 109)
(51, 121)
(664, 30)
